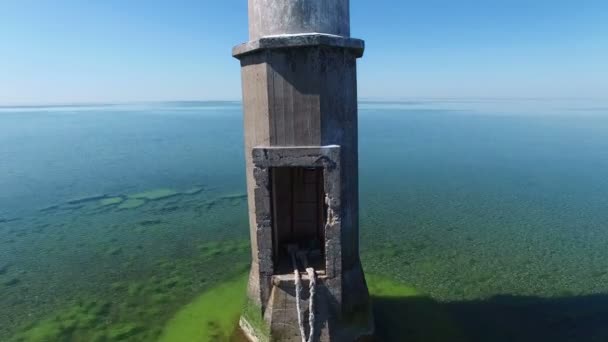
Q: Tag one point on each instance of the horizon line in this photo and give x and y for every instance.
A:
(363, 99)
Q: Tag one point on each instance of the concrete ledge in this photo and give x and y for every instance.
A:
(306, 156)
(247, 330)
(299, 40)
(290, 278)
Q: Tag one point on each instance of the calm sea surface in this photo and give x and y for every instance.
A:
(494, 210)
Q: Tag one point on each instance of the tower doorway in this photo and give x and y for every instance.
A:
(298, 216)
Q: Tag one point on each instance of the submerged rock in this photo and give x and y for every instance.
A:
(11, 282)
(233, 197)
(49, 208)
(169, 209)
(131, 204)
(4, 268)
(154, 195)
(87, 199)
(194, 190)
(150, 222)
(8, 220)
(110, 201)
(71, 207)
(114, 251)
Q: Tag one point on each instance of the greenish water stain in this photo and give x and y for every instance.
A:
(213, 316)
(210, 317)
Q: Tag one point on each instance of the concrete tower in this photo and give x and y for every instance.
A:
(300, 116)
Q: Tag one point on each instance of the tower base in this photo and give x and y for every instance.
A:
(280, 319)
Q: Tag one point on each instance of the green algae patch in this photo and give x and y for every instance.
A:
(45, 331)
(217, 248)
(211, 249)
(72, 324)
(252, 314)
(400, 311)
(154, 195)
(210, 317)
(123, 332)
(131, 203)
(384, 287)
(110, 201)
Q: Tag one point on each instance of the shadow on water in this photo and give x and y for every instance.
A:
(497, 319)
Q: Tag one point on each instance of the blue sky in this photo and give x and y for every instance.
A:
(68, 51)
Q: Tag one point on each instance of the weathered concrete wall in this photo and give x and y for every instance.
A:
(304, 96)
(255, 120)
(339, 126)
(295, 110)
(276, 17)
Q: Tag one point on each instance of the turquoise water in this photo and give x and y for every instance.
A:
(497, 211)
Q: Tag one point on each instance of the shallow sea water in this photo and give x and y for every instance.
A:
(115, 220)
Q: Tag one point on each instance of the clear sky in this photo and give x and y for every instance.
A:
(72, 51)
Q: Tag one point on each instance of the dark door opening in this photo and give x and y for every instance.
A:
(298, 207)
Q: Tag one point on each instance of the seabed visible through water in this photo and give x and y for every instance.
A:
(474, 226)
(195, 293)
(99, 268)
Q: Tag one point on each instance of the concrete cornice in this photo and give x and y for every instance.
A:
(299, 40)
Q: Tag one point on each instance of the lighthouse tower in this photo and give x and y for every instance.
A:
(300, 116)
